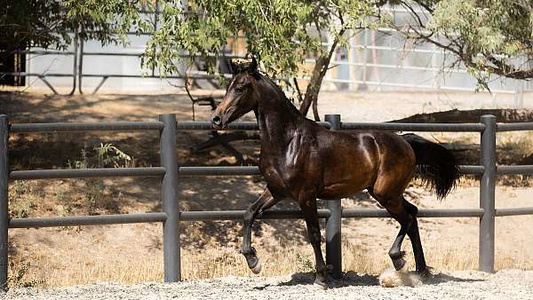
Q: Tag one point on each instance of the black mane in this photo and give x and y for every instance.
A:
(286, 102)
(245, 67)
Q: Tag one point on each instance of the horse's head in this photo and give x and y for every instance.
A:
(241, 96)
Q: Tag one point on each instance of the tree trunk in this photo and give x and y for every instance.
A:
(319, 71)
(311, 94)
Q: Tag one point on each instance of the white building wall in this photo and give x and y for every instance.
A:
(378, 60)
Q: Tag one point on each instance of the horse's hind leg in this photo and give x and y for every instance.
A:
(414, 236)
(264, 202)
(395, 252)
(405, 213)
(409, 224)
(309, 210)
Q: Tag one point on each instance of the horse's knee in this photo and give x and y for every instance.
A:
(315, 239)
(410, 208)
(314, 235)
(248, 216)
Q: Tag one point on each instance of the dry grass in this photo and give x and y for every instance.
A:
(54, 257)
(41, 272)
(50, 258)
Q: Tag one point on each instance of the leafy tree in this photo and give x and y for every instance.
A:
(488, 36)
(58, 24)
(108, 21)
(52, 23)
(27, 23)
(280, 32)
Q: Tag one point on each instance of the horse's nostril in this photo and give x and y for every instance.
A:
(217, 120)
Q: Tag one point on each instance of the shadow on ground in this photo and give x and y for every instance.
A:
(351, 278)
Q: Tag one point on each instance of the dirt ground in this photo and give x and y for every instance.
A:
(467, 285)
(133, 253)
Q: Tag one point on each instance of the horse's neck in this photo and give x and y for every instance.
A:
(277, 122)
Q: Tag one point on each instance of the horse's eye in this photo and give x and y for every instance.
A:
(239, 89)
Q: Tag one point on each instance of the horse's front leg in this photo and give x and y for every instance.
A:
(264, 202)
(309, 209)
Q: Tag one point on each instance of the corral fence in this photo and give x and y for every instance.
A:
(169, 171)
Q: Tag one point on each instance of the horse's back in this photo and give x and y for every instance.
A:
(353, 161)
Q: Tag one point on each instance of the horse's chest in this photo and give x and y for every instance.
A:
(272, 169)
(289, 169)
(280, 179)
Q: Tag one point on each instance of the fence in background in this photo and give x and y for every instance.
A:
(375, 61)
(378, 59)
(169, 171)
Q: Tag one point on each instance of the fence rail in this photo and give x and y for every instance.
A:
(169, 171)
(368, 63)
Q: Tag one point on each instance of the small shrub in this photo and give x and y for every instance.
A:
(110, 156)
(102, 156)
(22, 202)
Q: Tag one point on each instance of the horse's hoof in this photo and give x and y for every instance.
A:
(400, 264)
(320, 284)
(257, 268)
(252, 260)
(426, 273)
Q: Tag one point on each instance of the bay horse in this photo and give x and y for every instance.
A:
(303, 161)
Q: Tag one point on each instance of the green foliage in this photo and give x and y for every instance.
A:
(109, 155)
(23, 204)
(107, 21)
(96, 191)
(489, 26)
(488, 36)
(28, 23)
(103, 156)
(280, 32)
(51, 23)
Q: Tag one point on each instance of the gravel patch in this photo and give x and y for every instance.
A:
(507, 284)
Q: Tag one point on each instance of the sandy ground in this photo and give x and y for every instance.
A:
(387, 106)
(467, 285)
(89, 249)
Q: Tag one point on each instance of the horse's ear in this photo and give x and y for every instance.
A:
(253, 65)
(252, 68)
(234, 68)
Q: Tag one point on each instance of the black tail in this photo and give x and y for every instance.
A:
(435, 164)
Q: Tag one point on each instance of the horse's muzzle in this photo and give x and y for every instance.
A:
(216, 120)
